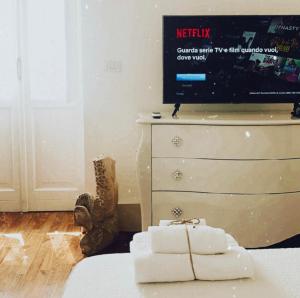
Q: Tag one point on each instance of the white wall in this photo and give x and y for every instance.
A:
(122, 70)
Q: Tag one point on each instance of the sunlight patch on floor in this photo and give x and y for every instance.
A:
(14, 236)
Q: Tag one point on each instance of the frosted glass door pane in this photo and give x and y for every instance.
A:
(46, 32)
(8, 50)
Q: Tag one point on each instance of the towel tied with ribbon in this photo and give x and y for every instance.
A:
(187, 250)
(193, 221)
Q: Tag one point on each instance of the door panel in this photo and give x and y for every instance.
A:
(9, 162)
(56, 163)
(6, 154)
(54, 113)
(9, 86)
(9, 94)
(46, 49)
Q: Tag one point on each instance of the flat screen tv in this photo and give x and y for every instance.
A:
(234, 59)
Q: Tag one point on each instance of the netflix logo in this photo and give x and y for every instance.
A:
(193, 33)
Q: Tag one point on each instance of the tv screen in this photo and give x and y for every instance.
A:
(216, 59)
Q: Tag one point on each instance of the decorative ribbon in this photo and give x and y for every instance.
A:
(190, 250)
(193, 221)
(185, 222)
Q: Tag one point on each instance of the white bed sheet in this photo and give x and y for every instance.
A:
(110, 276)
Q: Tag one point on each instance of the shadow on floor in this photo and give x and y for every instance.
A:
(121, 244)
(288, 243)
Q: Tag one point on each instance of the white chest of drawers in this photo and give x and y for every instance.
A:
(240, 171)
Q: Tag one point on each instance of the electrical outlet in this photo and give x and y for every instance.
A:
(113, 66)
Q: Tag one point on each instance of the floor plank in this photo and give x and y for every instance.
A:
(37, 253)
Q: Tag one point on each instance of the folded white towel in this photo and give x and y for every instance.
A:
(173, 239)
(168, 239)
(144, 238)
(166, 222)
(234, 264)
(149, 267)
(231, 241)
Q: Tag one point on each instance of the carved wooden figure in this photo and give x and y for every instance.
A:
(98, 215)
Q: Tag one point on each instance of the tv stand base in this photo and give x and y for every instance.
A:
(296, 110)
(176, 109)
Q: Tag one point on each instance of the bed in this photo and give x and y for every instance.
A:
(110, 276)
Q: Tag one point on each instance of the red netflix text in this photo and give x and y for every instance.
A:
(193, 33)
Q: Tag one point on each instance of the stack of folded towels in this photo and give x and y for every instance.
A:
(183, 252)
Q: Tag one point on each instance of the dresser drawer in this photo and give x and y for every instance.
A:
(226, 176)
(237, 214)
(226, 142)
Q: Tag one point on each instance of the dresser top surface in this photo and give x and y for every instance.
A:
(222, 118)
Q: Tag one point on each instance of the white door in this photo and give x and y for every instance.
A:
(9, 96)
(49, 106)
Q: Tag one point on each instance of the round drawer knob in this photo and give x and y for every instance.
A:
(177, 141)
(177, 212)
(177, 175)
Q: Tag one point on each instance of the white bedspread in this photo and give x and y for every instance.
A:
(111, 276)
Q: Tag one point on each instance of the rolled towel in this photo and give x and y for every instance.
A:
(173, 239)
(167, 222)
(234, 264)
(149, 267)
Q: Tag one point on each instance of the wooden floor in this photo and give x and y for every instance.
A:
(37, 253)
